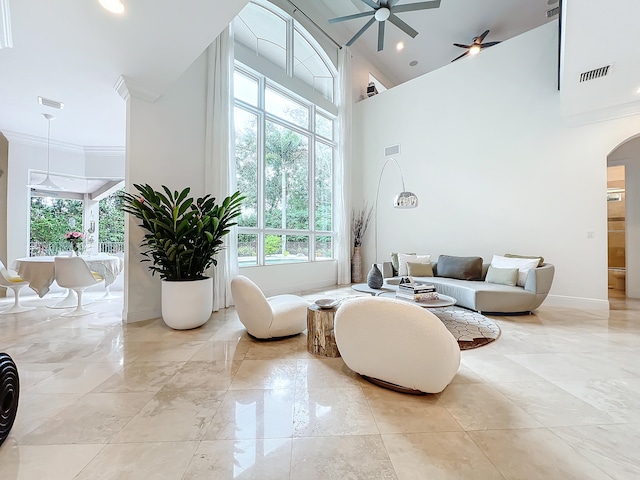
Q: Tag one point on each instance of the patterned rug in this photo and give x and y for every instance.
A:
(471, 329)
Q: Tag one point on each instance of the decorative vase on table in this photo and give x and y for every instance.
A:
(374, 278)
(356, 266)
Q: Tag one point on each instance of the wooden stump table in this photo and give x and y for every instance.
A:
(320, 337)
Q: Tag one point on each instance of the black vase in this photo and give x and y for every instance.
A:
(374, 277)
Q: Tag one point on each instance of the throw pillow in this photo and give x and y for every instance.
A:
(522, 264)
(419, 269)
(404, 258)
(462, 268)
(513, 255)
(502, 276)
(395, 264)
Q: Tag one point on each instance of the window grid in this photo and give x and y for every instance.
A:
(309, 132)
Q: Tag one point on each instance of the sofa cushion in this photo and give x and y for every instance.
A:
(461, 268)
(404, 258)
(419, 269)
(513, 255)
(502, 276)
(395, 263)
(522, 264)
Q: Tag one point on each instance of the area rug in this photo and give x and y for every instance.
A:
(471, 329)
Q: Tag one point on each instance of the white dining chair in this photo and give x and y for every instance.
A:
(13, 281)
(74, 273)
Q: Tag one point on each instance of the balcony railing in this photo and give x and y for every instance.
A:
(39, 249)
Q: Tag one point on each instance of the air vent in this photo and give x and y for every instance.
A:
(553, 12)
(593, 74)
(50, 103)
(391, 150)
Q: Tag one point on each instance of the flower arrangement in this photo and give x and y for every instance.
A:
(74, 238)
(359, 223)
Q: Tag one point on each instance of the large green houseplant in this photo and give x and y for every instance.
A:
(183, 236)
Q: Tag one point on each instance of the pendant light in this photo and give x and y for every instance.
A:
(47, 183)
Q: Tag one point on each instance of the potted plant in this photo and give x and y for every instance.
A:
(183, 236)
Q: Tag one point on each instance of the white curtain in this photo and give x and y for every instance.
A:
(219, 149)
(343, 168)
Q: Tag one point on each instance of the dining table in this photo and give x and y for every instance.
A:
(40, 272)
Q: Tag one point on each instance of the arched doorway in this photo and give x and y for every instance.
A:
(623, 208)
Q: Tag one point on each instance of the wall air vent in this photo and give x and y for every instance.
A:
(595, 73)
(47, 102)
(392, 150)
(553, 12)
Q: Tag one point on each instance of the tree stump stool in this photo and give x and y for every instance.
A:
(320, 337)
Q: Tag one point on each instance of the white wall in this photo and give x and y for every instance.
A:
(165, 146)
(628, 154)
(485, 148)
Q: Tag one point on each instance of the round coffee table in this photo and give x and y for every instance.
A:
(364, 288)
(442, 301)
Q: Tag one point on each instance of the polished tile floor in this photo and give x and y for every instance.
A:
(557, 396)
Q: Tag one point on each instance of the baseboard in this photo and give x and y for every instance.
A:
(141, 316)
(576, 302)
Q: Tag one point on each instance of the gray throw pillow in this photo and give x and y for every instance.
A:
(461, 268)
(502, 276)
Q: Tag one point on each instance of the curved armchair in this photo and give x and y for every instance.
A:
(403, 345)
(73, 273)
(13, 281)
(278, 316)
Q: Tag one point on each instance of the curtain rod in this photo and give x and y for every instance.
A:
(297, 9)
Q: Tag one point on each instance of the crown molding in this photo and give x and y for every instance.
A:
(127, 87)
(32, 140)
(6, 40)
(105, 151)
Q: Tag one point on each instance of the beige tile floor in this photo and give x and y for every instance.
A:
(557, 396)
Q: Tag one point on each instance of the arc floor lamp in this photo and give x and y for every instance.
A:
(403, 200)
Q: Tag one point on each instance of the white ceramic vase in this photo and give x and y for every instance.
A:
(187, 304)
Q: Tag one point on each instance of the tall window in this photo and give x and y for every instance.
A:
(285, 140)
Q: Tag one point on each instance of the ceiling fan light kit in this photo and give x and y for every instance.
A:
(383, 11)
(475, 46)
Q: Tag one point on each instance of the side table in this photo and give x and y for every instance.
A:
(320, 337)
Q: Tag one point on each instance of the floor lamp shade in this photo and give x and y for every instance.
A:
(403, 200)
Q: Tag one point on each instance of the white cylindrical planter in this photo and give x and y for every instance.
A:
(187, 304)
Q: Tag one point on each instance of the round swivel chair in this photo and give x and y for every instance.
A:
(405, 346)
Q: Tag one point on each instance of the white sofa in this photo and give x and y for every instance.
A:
(487, 297)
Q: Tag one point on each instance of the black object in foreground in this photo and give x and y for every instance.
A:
(9, 393)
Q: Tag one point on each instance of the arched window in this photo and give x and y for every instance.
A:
(285, 141)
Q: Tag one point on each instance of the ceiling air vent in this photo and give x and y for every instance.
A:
(595, 73)
(47, 102)
(553, 12)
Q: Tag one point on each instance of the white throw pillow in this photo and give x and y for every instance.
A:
(522, 264)
(404, 258)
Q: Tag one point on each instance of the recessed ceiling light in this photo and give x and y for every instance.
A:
(400, 46)
(413, 63)
(114, 6)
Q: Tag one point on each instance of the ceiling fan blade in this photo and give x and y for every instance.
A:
(489, 44)
(482, 37)
(380, 36)
(371, 3)
(360, 32)
(461, 46)
(458, 58)
(351, 17)
(402, 26)
(409, 7)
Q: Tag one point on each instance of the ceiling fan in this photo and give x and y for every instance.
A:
(386, 10)
(476, 46)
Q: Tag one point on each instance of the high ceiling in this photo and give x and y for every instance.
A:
(455, 21)
(74, 51)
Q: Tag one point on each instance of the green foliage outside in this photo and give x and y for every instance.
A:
(111, 219)
(50, 219)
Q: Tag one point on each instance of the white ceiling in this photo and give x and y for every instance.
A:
(74, 51)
